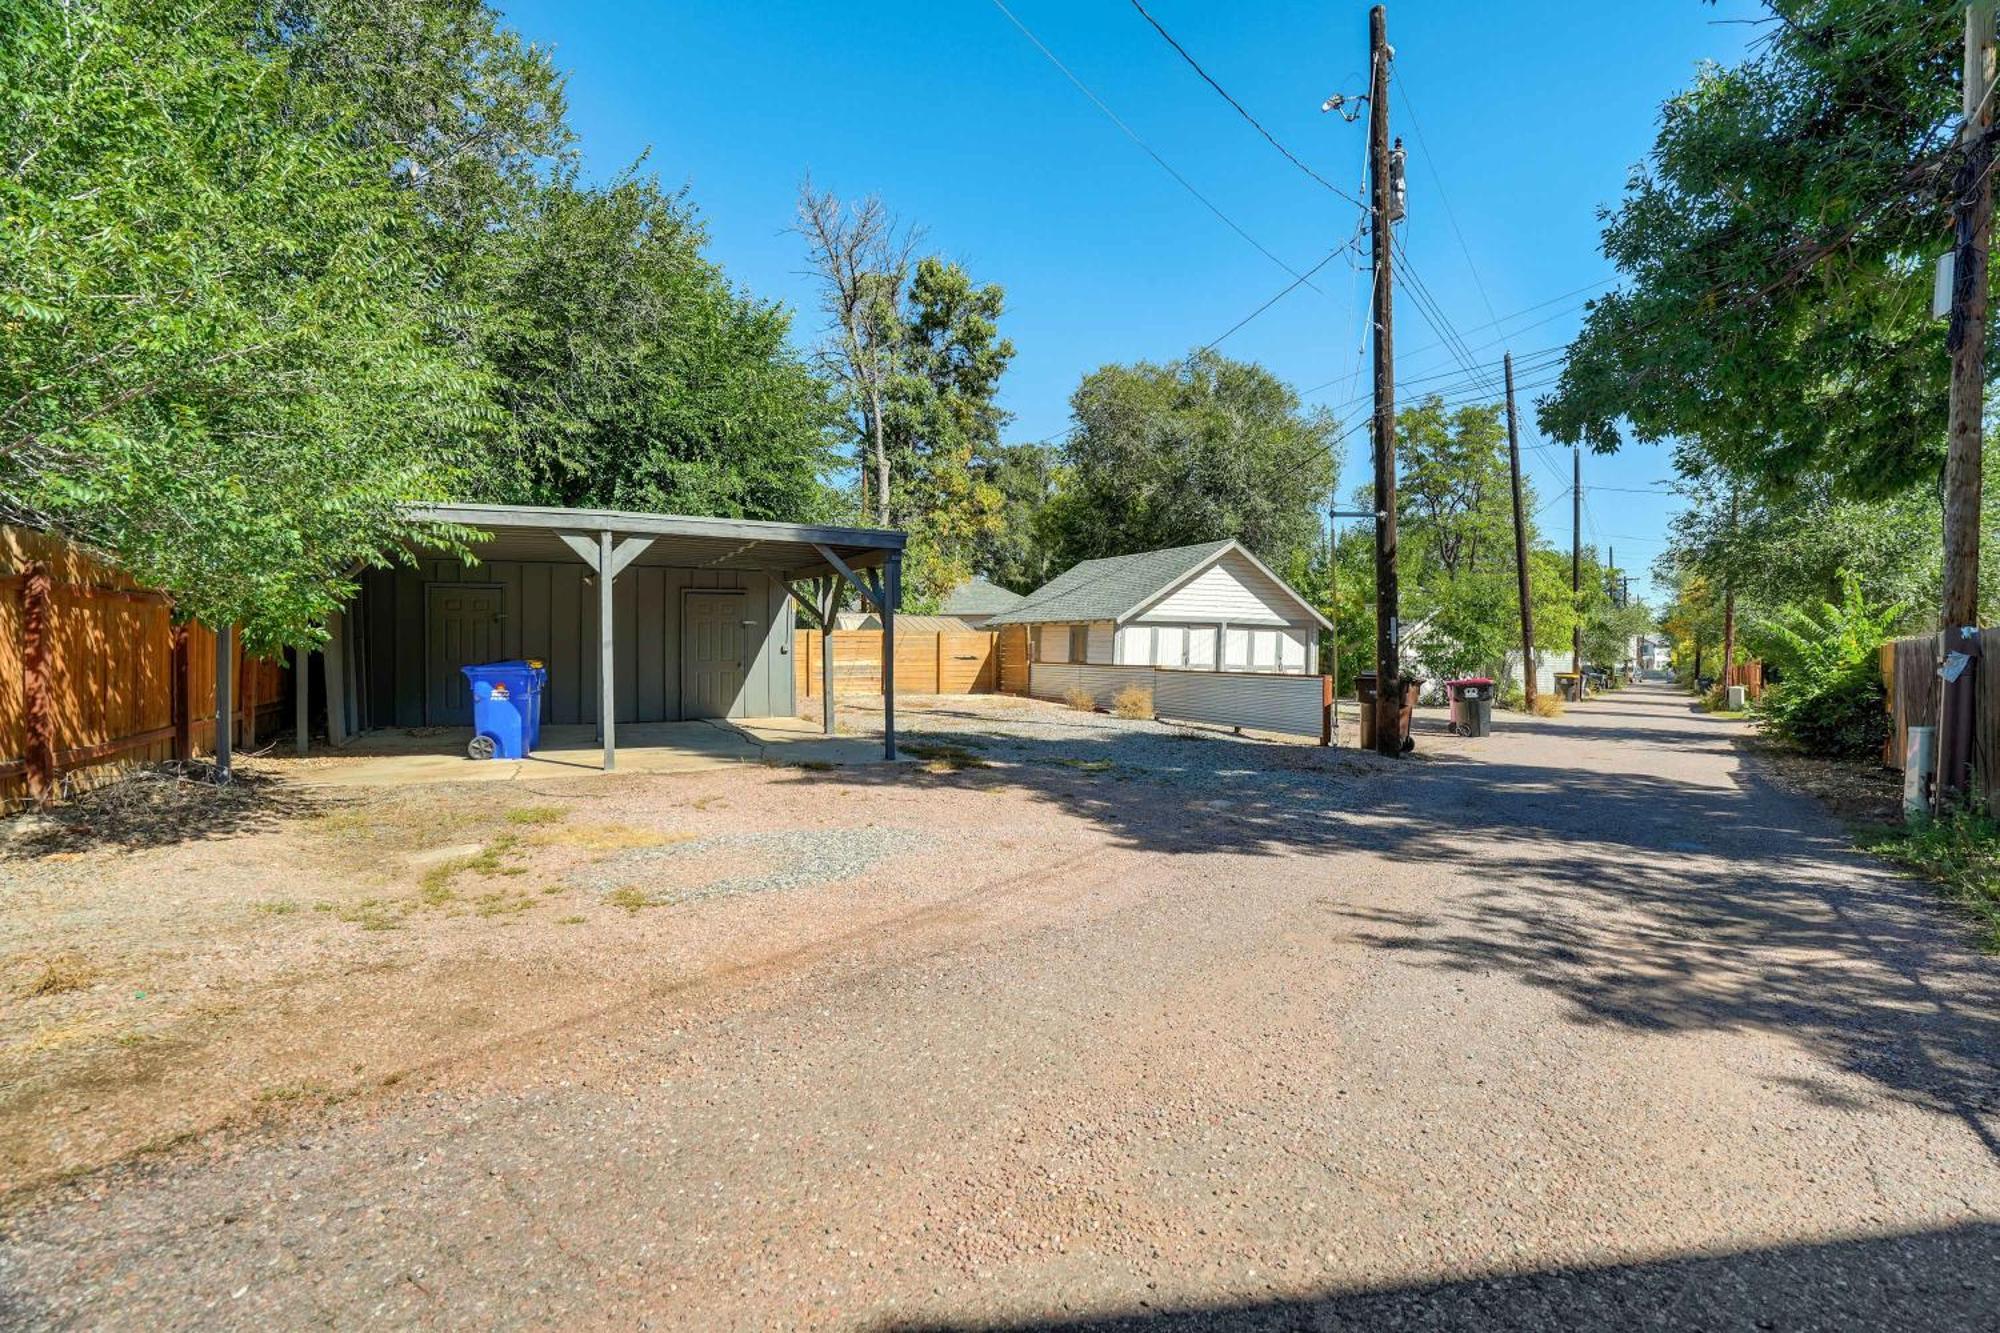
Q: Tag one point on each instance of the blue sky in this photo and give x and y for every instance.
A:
(1522, 119)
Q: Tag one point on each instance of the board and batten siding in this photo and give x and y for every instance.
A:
(1232, 590)
(550, 613)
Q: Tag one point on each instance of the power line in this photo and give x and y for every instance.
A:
(1147, 148)
(1287, 290)
(1409, 105)
(1223, 92)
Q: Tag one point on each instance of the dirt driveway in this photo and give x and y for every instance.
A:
(1079, 1023)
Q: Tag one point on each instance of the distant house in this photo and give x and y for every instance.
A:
(1210, 607)
(911, 624)
(977, 601)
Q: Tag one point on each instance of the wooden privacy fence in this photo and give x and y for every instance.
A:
(963, 662)
(94, 673)
(1750, 675)
(1910, 679)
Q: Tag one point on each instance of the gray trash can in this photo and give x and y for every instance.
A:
(1471, 705)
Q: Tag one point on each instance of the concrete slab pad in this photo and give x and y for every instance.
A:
(437, 754)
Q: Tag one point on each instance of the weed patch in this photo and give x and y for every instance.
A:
(630, 897)
(536, 814)
(1082, 700)
(939, 758)
(1960, 853)
(1548, 705)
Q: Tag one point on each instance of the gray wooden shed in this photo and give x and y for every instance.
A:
(694, 621)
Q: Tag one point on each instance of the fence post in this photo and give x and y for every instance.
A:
(39, 749)
(1326, 716)
(182, 706)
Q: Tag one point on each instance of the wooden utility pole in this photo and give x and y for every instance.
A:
(1729, 603)
(1520, 542)
(1966, 340)
(1388, 666)
(1576, 564)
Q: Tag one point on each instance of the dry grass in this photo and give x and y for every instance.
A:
(1134, 702)
(1548, 705)
(607, 837)
(61, 974)
(1082, 700)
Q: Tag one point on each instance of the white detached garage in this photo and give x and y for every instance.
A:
(1161, 617)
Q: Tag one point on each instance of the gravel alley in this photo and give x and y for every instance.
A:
(1587, 1024)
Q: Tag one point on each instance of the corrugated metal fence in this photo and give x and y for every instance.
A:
(1260, 700)
(94, 674)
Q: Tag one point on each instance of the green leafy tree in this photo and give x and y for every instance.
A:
(941, 415)
(1167, 455)
(1777, 246)
(215, 362)
(632, 374)
(1014, 552)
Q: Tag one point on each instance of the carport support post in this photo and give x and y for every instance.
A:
(828, 599)
(301, 656)
(225, 662)
(892, 596)
(607, 670)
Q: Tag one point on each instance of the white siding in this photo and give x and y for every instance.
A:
(1103, 643)
(1232, 589)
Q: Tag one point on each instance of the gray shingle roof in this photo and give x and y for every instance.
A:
(1106, 589)
(977, 597)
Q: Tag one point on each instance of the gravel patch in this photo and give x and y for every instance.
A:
(799, 858)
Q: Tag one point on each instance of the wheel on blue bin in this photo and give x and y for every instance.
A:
(481, 747)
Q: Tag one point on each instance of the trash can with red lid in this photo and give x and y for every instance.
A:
(1471, 705)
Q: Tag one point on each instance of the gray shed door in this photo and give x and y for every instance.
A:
(713, 651)
(464, 627)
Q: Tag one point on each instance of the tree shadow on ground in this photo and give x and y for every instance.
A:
(1646, 902)
(157, 806)
(1946, 1279)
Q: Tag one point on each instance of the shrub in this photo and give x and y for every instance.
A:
(1514, 699)
(1134, 701)
(1830, 699)
(1082, 700)
(1548, 705)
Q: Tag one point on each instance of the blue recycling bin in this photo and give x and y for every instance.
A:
(537, 686)
(506, 708)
